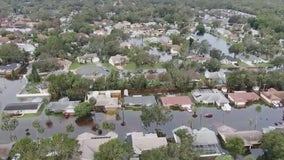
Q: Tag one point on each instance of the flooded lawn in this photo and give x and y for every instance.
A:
(215, 42)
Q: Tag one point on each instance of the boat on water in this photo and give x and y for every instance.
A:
(208, 115)
(226, 107)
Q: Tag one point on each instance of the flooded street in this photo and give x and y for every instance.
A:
(237, 118)
(215, 42)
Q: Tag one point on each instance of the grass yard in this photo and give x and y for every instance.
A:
(30, 115)
(133, 66)
(76, 65)
(226, 66)
(263, 65)
(242, 64)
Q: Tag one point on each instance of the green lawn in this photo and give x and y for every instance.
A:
(132, 66)
(263, 65)
(76, 65)
(30, 115)
(242, 64)
(227, 66)
(109, 66)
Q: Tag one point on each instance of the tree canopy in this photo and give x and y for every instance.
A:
(235, 146)
(173, 151)
(273, 143)
(114, 150)
(83, 109)
(10, 53)
(155, 114)
(68, 85)
(59, 145)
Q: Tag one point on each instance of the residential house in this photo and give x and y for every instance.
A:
(241, 98)
(208, 96)
(182, 101)
(172, 32)
(153, 74)
(88, 58)
(219, 77)
(90, 143)
(229, 60)
(106, 100)
(122, 25)
(139, 100)
(268, 129)
(100, 32)
(4, 40)
(92, 71)
(9, 68)
(175, 49)
(118, 60)
(281, 42)
(5, 150)
(27, 47)
(273, 96)
(143, 142)
(198, 59)
(251, 59)
(204, 140)
(64, 63)
(22, 108)
(250, 137)
(64, 105)
(125, 45)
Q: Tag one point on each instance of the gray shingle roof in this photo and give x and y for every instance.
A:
(21, 106)
(140, 101)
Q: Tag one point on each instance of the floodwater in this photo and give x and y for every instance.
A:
(237, 118)
(215, 42)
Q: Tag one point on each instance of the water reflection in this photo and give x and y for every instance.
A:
(215, 42)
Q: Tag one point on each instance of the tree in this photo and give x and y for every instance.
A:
(227, 157)
(155, 114)
(200, 29)
(83, 109)
(173, 151)
(60, 145)
(114, 150)
(213, 65)
(236, 48)
(36, 124)
(26, 147)
(92, 101)
(34, 76)
(73, 86)
(273, 144)
(9, 125)
(47, 64)
(278, 61)
(65, 147)
(215, 53)
(235, 146)
(108, 126)
(258, 110)
(69, 128)
(10, 53)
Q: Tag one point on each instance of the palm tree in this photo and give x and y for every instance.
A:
(9, 125)
(258, 110)
(250, 121)
(70, 128)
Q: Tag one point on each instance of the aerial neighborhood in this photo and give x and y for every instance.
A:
(145, 80)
